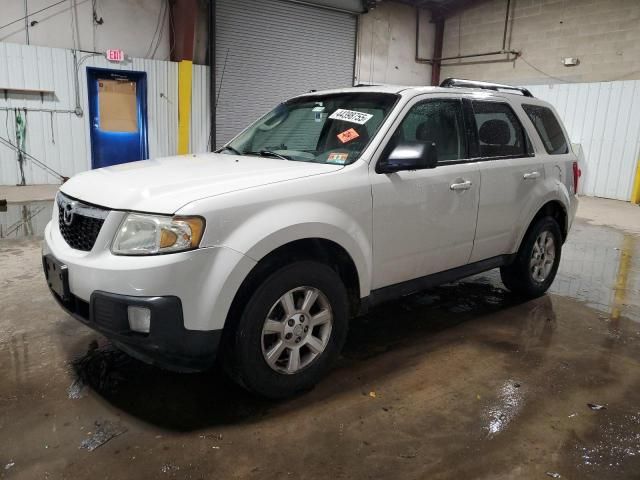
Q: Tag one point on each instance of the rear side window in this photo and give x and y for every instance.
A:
(548, 128)
(500, 133)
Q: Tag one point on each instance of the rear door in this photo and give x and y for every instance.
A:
(424, 220)
(559, 158)
(510, 174)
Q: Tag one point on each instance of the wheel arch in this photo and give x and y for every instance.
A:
(319, 249)
(552, 208)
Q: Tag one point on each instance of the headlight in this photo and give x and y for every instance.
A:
(141, 234)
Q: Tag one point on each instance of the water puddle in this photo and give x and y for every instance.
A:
(616, 443)
(503, 411)
(175, 401)
(104, 431)
(600, 267)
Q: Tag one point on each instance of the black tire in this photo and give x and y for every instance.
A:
(518, 277)
(246, 362)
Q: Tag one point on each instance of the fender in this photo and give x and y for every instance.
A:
(559, 193)
(254, 222)
(283, 223)
(242, 247)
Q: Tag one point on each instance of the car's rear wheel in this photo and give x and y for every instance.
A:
(537, 260)
(291, 330)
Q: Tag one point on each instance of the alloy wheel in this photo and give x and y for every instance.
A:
(543, 256)
(296, 330)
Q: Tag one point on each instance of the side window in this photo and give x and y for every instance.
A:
(435, 121)
(548, 128)
(500, 133)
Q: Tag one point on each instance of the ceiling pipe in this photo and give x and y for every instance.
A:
(483, 54)
(506, 26)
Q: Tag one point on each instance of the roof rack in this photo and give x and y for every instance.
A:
(459, 82)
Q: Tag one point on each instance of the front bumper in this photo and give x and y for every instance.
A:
(205, 280)
(190, 292)
(168, 344)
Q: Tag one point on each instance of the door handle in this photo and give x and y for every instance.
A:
(531, 175)
(466, 185)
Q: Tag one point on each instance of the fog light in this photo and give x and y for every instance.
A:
(139, 319)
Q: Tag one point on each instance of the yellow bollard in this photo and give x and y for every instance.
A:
(635, 193)
(185, 68)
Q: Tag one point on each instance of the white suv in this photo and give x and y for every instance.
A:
(333, 202)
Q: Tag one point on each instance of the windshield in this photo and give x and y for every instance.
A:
(321, 128)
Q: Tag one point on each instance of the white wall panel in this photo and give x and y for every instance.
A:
(25, 219)
(200, 118)
(131, 25)
(48, 136)
(61, 139)
(604, 118)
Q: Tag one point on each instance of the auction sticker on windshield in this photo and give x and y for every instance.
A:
(348, 135)
(351, 116)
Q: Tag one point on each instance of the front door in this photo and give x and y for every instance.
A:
(118, 116)
(510, 174)
(424, 220)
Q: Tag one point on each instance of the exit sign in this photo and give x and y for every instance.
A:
(114, 55)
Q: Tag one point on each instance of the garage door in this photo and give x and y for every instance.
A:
(270, 50)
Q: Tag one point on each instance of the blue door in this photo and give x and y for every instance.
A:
(118, 116)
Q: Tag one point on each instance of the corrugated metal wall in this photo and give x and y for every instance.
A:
(200, 117)
(604, 118)
(58, 137)
(25, 219)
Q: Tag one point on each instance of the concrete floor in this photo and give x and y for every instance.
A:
(463, 381)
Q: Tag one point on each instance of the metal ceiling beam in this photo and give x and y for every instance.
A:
(437, 51)
(183, 23)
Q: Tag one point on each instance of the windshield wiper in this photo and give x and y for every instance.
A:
(269, 153)
(231, 149)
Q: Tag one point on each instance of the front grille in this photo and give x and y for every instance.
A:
(79, 222)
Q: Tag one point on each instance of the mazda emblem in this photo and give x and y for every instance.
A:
(67, 213)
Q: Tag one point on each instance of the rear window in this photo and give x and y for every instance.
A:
(500, 133)
(548, 128)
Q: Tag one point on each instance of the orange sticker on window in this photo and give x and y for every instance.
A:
(348, 135)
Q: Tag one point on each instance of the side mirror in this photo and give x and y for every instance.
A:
(410, 156)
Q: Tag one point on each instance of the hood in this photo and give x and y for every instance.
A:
(165, 185)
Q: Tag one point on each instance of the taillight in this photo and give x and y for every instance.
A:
(577, 173)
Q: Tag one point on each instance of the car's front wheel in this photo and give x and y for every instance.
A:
(537, 260)
(291, 330)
